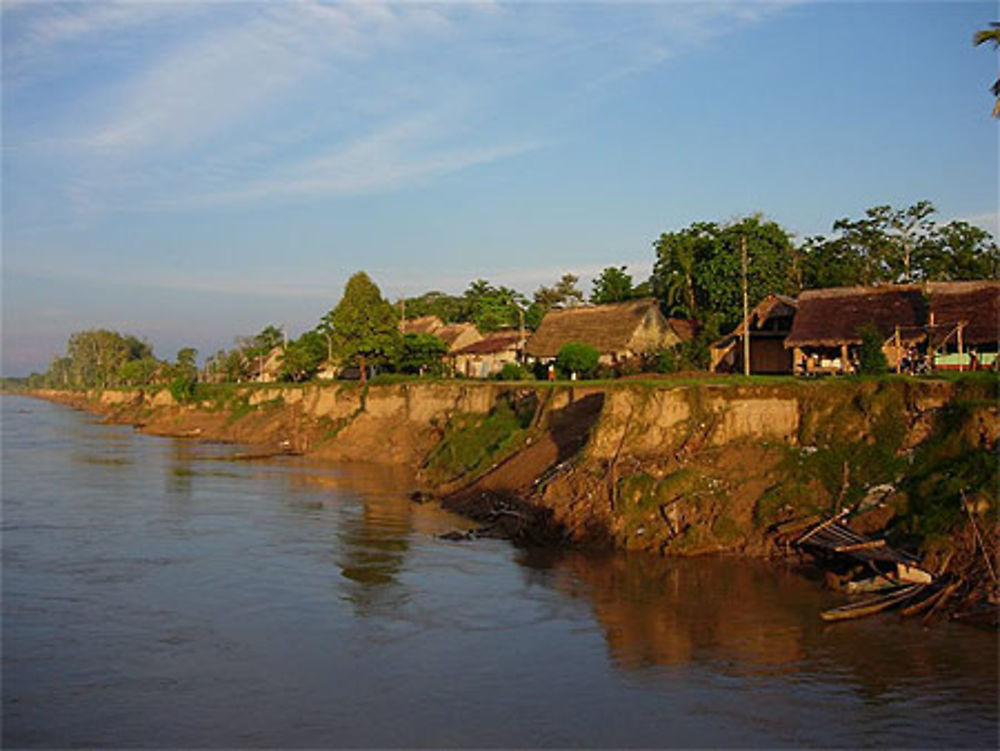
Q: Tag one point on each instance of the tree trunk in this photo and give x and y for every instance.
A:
(363, 374)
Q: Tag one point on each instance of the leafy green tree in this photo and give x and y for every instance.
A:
(564, 294)
(138, 372)
(579, 358)
(365, 325)
(678, 255)
(871, 358)
(492, 308)
(698, 270)
(830, 262)
(421, 353)
(304, 356)
(448, 308)
(957, 251)
(614, 284)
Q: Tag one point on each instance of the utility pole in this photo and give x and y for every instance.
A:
(746, 310)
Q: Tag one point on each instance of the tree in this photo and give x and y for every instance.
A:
(677, 255)
(365, 326)
(492, 308)
(959, 250)
(613, 285)
(698, 271)
(304, 356)
(564, 294)
(886, 239)
(421, 353)
(991, 36)
(579, 358)
(871, 358)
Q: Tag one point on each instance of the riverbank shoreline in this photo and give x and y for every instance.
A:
(671, 469)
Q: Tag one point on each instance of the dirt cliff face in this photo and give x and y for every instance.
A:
(676, 469)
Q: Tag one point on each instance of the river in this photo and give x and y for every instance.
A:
(157, 593)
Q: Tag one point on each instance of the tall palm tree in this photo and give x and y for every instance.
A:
(991, 35)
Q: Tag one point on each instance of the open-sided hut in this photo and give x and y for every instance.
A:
(619, 332)
(935, 317)
(487, 357)
(770, 321)
(964, 319)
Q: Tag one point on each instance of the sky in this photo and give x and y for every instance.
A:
(190, 172)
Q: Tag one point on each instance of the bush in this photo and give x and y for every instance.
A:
(666, 361)
(871, 358)
(579, 358)
(513, 371)
(182, 388)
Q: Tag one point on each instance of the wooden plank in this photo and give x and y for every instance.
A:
(866, 545)
(821, 527)
(872, 606)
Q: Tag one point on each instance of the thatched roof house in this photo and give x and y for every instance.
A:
(458, 335)
(619, 331)
(486, 357)
(455, 335)
(832, 317)
(421, 325)
(770, 321)
(936, 315)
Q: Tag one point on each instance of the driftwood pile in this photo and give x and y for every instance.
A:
(962, 583)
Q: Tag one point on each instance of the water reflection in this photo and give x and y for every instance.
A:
(668, 613)
(756, 620)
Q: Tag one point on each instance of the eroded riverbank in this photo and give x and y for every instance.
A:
(678, 469)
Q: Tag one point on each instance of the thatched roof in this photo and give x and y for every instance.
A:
(976, 303)
(492, 344)
(608, 328)
(421, 325)
(452, 331)
(771, 307)
(686, 330)
(832, 317)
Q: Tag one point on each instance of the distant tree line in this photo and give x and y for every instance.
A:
(697, 275)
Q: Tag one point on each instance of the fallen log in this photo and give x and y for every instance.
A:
(873, 605)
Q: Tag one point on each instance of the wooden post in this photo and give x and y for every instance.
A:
(746, 310)
(843, 359)
(961, 365)
(899, 353)
(797, 360)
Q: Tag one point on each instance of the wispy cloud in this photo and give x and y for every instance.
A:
(244, 102)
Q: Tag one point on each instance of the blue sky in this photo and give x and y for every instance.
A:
(190, 172)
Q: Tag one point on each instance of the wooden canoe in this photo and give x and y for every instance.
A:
(873, 605)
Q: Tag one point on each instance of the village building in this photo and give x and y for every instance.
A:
(619, 331)
(935, 322)
(455, 335)
(487, 357)
(770, 322)
(267, 368)
(458, 335)
(421, 325)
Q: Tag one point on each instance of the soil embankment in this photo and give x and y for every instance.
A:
(679, 469)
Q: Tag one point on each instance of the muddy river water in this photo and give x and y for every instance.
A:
(157, 594)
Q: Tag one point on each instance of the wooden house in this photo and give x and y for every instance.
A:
(770, 321)
(267, 368)
(458, 335)
(934, 319)
(619, 332)
(487, 357)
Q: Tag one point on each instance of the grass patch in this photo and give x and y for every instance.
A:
(473, 443)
